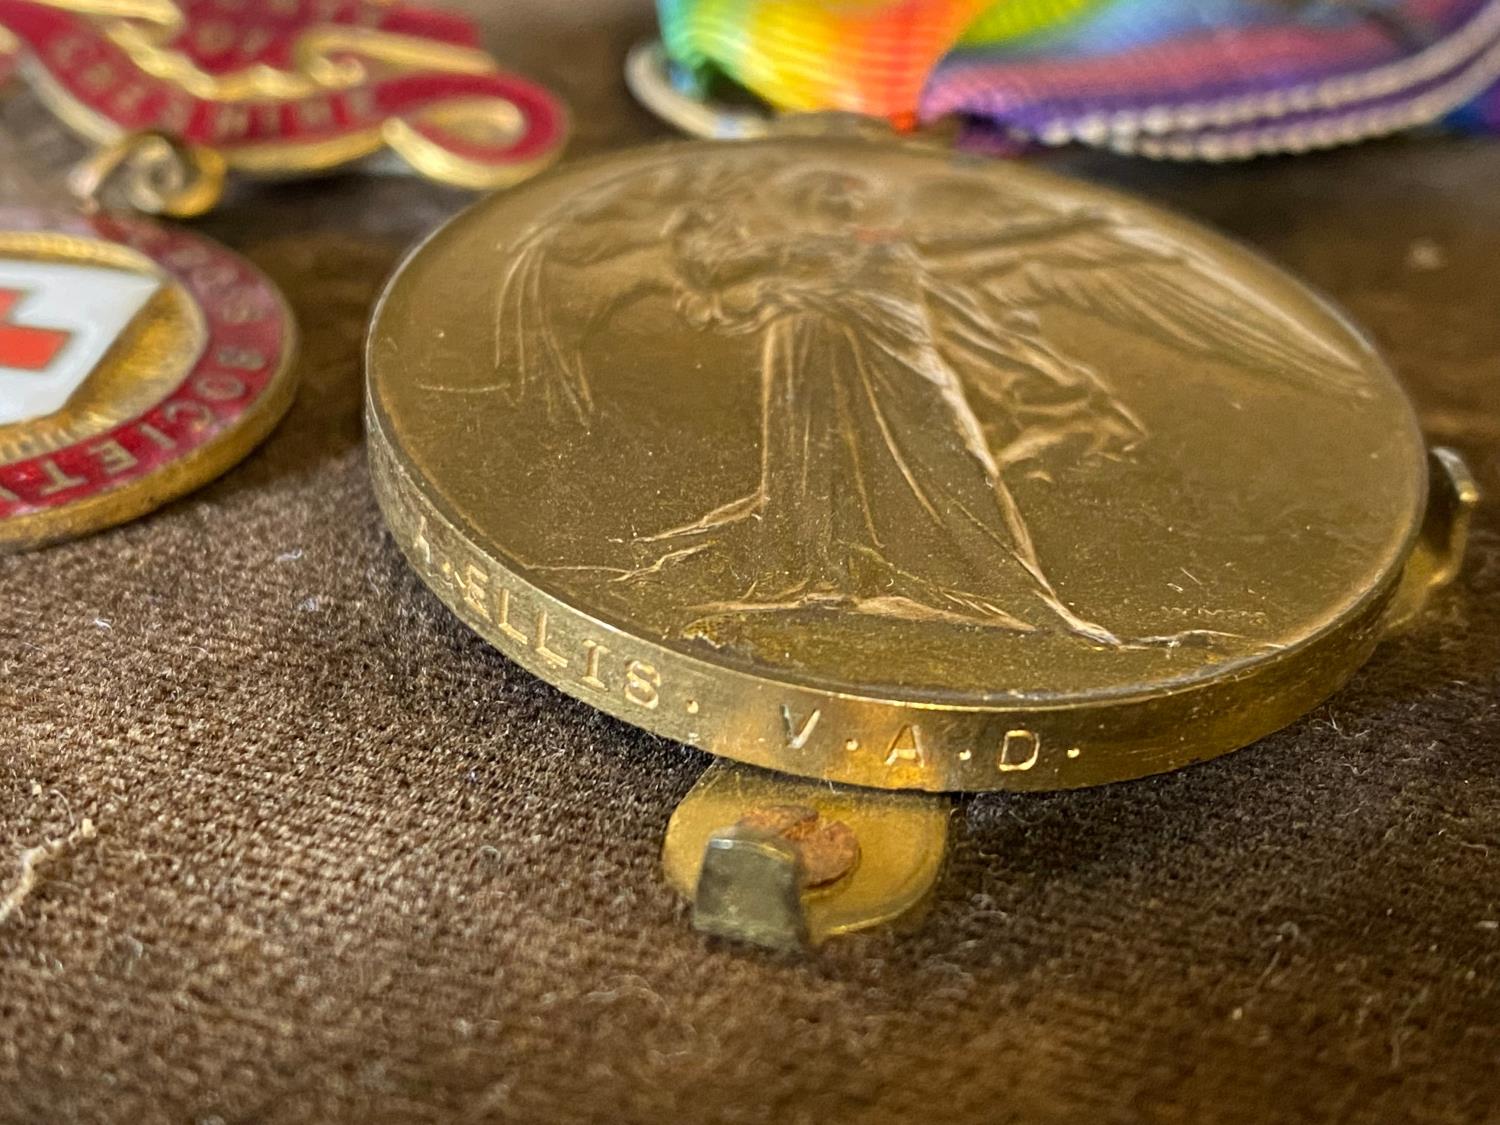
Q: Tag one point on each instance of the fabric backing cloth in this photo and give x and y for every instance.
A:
(313, 852)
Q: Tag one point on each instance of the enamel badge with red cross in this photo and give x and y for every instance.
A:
(136, 363)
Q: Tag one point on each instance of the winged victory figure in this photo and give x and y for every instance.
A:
(880, 325)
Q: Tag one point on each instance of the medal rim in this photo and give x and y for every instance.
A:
(130, 500)
(1148, 731)
(1153, 728)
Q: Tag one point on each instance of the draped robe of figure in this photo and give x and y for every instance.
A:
(881, 489)
(878, 489)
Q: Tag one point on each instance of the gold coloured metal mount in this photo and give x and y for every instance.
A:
(153, 173)
(648, 75)
(1438, 555)
(156, 173)
(784, 862)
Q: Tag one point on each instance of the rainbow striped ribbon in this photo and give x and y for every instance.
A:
(1188, 79)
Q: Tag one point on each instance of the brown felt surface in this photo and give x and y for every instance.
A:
(351, 865)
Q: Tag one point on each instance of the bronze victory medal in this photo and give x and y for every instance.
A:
(867, 462)
(136, 362)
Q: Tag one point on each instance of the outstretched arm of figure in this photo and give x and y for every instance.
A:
(997, 249)
(1141, 281)
(1036, 396)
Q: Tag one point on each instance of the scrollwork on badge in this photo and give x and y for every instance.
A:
(289, 86)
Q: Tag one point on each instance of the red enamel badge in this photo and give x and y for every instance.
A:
(279, 87)
(136, 362)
